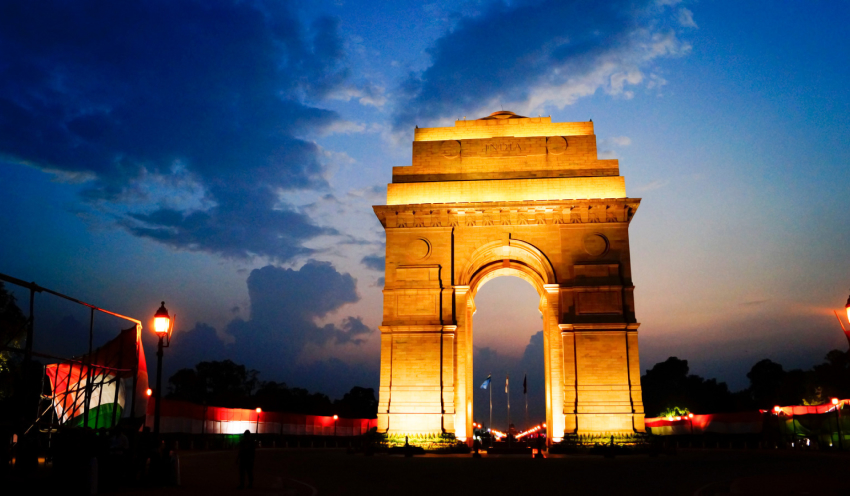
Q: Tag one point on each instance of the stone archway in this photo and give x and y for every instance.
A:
(519, 259)
(508, 195)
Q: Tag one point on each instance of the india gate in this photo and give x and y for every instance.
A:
(508, 195)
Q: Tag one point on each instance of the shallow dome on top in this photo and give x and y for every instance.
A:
(502, 114)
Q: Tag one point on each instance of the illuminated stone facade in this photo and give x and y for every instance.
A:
(508, 196)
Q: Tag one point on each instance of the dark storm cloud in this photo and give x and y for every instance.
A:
(533, 52)
(285, 304)
(213, 93)
(199, 344)
(254, 227)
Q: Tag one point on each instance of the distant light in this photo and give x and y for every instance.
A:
(834, 401)
(259, 409)
(544, 426)
(777, 409)
(690, 415)
(336, 417)
(149, 392)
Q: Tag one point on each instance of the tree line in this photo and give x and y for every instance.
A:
(668, 385)
(231, 385)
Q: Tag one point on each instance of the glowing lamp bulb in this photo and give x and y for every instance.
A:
(690, 415)
(336, 417)
(834, 401)
(777, 409)
(149, 392)
(544, 425)
(161, 320)
(259, 409)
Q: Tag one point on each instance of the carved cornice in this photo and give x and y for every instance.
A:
(564, 212)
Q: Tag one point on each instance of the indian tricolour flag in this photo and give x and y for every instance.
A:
(113, 367)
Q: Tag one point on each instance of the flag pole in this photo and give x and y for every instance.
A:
(508, 392)
(525, 393)
(491, 412)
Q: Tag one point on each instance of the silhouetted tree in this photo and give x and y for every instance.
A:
(668, 385)
(12, 331)
(357, 403)
(833, 376)
(223, 383)
(276, 396)
(766, 379)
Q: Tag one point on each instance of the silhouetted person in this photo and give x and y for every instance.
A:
(144, 451)
(119, 447)
(476, 445)
(170, 465)
(247, 453)
(408, 452)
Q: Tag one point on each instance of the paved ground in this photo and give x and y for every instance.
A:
(291, 472)
(702, 473)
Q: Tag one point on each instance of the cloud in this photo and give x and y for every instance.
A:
(245, 225)
(285, 305)
(374, 262)
(214, 96)
(332, 376)
(686, 18)
(367, 94)
(753, 303)
(616, 141)
(345, 127)
(199, 344)
(533, 54)
(652, 185)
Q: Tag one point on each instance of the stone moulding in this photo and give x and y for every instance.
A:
(507, 213)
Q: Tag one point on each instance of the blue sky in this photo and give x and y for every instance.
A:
(222, 155)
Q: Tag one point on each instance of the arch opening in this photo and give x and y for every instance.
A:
(508, 340)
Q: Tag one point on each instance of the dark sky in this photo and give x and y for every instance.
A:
(224, 157)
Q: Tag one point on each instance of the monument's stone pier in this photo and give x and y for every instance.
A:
(508, 196)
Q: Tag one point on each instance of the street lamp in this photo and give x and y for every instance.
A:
(162, 325)
(838, 422)
(259, 411)
(336, 417)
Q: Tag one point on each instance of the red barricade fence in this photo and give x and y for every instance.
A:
(190, 418)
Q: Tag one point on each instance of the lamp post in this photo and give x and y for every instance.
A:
(336, 417)
(691, 420)
(259, 411)
(162, 325)
(838, 423)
